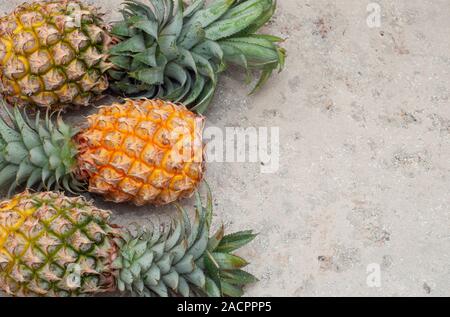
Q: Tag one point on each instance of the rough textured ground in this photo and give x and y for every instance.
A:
(364, 121)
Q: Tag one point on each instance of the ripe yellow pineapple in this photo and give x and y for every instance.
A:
(53, 245)
(46, 59)
(143, 151)
(55, 53)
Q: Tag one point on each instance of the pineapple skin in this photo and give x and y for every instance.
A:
(143, 151)
(47, 59)
(46, 239)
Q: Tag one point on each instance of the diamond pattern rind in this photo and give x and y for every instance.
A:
(45, 60)
(143, 151)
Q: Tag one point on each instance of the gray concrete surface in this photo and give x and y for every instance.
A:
(364, 121)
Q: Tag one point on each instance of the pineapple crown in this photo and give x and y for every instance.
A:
(183, 259)
(174, 51)
(37, 151)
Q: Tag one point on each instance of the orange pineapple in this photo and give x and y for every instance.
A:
(143, 151)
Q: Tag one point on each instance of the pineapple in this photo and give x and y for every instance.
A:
(161, 49)
(46, 59)
(53, 245)
(142, 151)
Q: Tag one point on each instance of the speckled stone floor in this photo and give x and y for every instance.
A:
(364, 178)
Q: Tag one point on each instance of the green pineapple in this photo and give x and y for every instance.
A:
(54, 245)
